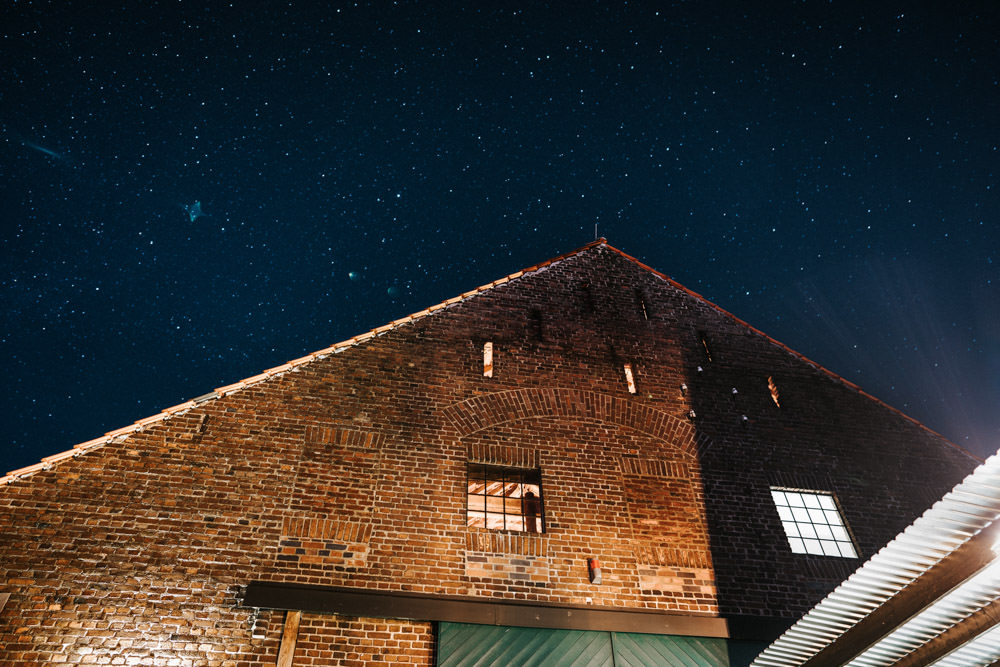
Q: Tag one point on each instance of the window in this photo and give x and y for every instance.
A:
(813, 523)
(505, 498)
(488, 359)
(629, 378)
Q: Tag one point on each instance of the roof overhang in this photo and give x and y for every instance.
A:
(929, 597)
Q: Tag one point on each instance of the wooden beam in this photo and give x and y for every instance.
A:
(287, 651)
(461, 609)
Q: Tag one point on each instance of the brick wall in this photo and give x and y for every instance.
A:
(351, 471)
(331, 640)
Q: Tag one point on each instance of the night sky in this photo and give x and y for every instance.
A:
(191, 193)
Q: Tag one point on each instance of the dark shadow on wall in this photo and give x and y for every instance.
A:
(760, 590)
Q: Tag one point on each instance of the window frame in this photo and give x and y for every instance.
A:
(512, 498)
(808, 527)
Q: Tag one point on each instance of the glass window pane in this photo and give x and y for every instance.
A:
(477, 519)
(824, 532)
(791, 529)
(833, 518)
(797, 546)
(794, 499)
(784, 513)
(494, 521)
(847, 550)
(810, 500)
(813, 547)
(840, 534)
(515, 522)
(817, 516)
(801, 514)
(477, 503)
(830, 548)
(807, 530)
(826, 502)
(494, 504)
(779, 497)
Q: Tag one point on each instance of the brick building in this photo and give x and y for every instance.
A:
(582, 460)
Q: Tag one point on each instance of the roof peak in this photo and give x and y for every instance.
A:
(336, 348)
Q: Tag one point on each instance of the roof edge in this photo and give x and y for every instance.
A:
(834, 376)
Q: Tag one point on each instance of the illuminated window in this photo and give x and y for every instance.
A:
(488, 359)
(629, 378)
(813, 523)
(505, 498)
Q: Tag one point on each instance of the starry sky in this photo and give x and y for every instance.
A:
(193, 192)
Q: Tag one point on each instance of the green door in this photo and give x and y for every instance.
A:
(467, 645)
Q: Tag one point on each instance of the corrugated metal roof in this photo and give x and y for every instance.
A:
(962, 514)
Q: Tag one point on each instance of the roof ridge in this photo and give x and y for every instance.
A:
(125, 431)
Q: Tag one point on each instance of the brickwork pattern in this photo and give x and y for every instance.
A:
(350, 470)
(334, 640)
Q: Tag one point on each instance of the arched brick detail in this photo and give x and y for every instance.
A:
(489, 410)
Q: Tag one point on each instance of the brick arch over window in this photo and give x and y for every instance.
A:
(476, 414)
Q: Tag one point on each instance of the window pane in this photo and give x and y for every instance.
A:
(477, 503)
(794, 499)
(817, 516)
(830, 548)
(813, 547)
(810, 500)
(826, 502)
(477, 519)
(779, 497)
(515, 523)
(824, 532)
(494, 488)
(801, 514)
(847, 550)
(796, 545)
(833, 518)
(784, 513)
(494, 521)
(791, 529)
(840, 534)
(494, 504)
(807, 530)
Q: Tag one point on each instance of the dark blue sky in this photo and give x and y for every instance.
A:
(826, 171)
